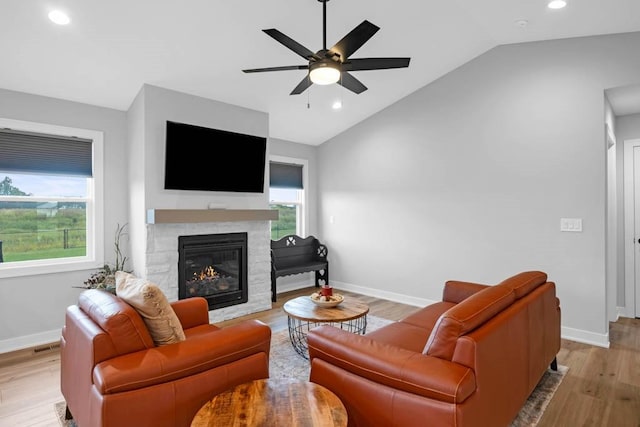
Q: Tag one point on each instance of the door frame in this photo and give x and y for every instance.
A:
(630, 309)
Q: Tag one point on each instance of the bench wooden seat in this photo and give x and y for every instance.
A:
(294, 255)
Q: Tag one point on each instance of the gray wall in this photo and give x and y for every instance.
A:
(281, 147)
(468, 178)
(32, 307)
(134, 150)
(147, 125)
(628, 127)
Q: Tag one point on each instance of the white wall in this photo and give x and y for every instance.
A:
(32, 307)
(468, 178)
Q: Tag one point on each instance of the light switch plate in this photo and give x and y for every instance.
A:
(571, 224)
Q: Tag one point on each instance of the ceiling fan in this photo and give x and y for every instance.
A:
(328, 66)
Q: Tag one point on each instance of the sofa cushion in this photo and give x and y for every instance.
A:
(162, 322)
(524, 283)
(402, 335)
(465, 317)
(456, 291)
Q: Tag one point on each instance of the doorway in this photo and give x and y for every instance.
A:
(632, 226)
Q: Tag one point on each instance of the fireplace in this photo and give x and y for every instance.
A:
(213, 266)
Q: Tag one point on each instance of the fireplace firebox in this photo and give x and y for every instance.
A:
(213, 266)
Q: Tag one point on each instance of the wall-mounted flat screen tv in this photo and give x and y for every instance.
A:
(200, 158)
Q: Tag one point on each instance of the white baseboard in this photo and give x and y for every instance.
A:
(378, 293)
(626, 312)
(26, 341)
(585, 337)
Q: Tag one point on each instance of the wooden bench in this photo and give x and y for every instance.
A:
(294, 255)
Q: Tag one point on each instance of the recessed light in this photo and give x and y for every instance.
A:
(522, 23)
(59, 17)
(556, 4)
(337, 105)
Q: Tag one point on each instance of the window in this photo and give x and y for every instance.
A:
(286, 194)
(50, 198)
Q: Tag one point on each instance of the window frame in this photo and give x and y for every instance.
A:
(302, 215)
(94, 257)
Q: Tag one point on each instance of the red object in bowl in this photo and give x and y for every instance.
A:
(326, 291)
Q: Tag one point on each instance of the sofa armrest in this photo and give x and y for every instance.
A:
(456, 292)
(391, 366)
(191, 312)
(170, 362)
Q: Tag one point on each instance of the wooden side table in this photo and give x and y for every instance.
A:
(272, 403)
(303, 315)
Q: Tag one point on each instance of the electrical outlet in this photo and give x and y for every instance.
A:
(571, 224)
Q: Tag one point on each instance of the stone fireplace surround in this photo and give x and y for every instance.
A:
(162, 259)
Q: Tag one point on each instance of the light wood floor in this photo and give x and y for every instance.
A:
(602, 387)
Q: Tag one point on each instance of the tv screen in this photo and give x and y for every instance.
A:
(199, 158)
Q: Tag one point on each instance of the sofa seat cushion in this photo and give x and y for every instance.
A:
(403, 335)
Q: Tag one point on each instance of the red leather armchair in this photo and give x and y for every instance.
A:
(113, 375)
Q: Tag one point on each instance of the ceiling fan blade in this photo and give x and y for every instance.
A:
(375, 64)
(302, 86)
(354, 40)
(291, 44)
(351, 83)
(285, 68)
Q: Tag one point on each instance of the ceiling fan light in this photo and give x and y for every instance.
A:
(323, 73)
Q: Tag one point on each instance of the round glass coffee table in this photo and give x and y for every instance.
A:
(303, 315)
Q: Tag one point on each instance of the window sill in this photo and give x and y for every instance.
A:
(33, 268)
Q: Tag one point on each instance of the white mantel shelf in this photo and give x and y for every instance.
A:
(186, 216)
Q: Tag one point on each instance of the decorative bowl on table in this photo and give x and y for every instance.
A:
(326, 301)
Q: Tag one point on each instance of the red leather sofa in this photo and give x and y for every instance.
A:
(470, 360)
(113, 375)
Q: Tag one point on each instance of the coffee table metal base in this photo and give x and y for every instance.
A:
(298, 330)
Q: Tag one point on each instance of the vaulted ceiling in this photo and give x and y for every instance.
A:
(111, 48)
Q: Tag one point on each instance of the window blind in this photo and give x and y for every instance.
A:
(285, 175)
(22, 151)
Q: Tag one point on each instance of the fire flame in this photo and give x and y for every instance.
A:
(207, 273)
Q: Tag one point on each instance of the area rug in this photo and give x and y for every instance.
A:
(284, 362)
